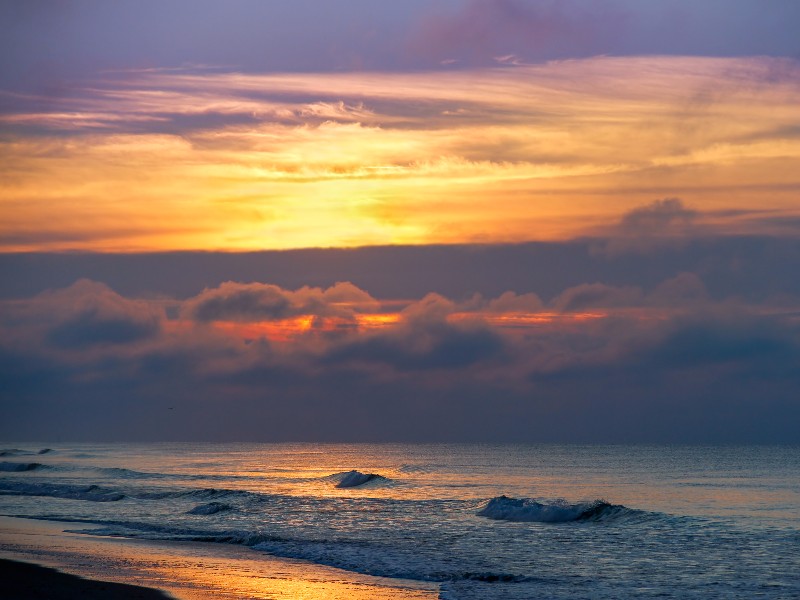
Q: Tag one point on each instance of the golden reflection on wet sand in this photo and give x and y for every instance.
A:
(194, 571)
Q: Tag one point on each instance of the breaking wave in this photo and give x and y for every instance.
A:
(349, 479)
(503, 508)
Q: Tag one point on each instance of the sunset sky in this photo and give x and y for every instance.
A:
(491, 220)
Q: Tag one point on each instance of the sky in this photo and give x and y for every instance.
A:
(473, 220)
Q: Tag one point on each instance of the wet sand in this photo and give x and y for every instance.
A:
(187, 570)
(25, 581)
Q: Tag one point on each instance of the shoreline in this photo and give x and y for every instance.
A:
(187, 570)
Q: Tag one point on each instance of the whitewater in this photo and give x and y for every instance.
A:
(481, 521)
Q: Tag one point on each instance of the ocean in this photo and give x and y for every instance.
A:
(480, 521)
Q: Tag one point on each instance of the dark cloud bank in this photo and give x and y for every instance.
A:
(751, 267)
(697, 341)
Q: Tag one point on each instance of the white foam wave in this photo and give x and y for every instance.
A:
(354, 478)
(504, 508)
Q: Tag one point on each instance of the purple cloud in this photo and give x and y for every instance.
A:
(264, 302)
(507, 32)
(92, 358)
(87, 314)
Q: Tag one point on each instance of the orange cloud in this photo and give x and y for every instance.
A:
(346, 159)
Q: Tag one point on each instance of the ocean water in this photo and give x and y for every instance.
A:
(482, 521)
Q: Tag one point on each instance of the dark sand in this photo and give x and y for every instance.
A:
(25, 581)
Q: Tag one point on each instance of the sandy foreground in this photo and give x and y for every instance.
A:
(185, 570)
(25, 581)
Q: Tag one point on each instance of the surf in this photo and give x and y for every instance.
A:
(530, 510)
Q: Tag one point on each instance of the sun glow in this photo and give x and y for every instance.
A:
(289, 330)
(164, 161)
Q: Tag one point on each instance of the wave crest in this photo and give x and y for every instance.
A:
(354, 478)
(503, 508)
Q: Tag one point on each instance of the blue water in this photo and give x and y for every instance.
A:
(511, 522)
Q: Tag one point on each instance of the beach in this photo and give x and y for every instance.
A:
(408, 521)
(32, 582)
(92, 567)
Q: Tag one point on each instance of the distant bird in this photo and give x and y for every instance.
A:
(170, 408)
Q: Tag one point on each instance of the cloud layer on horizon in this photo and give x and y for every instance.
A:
(597, 362)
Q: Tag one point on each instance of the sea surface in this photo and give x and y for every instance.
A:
(482, 521)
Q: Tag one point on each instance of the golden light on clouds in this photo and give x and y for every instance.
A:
(210, 160)
(291, 330)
